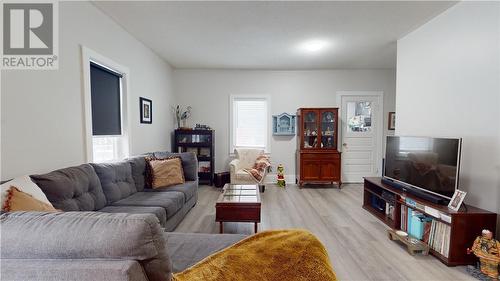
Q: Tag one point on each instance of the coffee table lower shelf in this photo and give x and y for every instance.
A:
(238, 208)
(237, 213)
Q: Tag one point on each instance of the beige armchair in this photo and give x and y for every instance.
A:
(245, 159)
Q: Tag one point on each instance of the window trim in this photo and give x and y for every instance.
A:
(88, 56)
(232, 98)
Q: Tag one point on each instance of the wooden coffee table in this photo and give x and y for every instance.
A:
(238, 203)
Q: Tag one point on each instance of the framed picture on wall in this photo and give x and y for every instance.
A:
(146, 110)
(392, 121)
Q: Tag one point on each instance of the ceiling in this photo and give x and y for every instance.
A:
(268, 35)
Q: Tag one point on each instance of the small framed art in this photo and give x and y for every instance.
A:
(146, 110)
(392, 121)
(457, 199)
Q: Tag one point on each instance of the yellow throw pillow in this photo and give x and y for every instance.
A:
(166, 172)
(22, 201)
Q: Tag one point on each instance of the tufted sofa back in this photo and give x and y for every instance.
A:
(72, 189)
(116, 180)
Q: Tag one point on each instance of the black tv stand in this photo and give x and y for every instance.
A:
(419, 193)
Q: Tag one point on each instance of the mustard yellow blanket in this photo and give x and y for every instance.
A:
(281, 255)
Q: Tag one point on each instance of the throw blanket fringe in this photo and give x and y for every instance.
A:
(278, 255)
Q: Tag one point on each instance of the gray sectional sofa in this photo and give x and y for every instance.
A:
(90, 246)
(120, 188)
(113, 228)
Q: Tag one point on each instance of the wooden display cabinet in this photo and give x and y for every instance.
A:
(318, 160)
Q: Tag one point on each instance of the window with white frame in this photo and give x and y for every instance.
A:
(249, 122)
(109, 139)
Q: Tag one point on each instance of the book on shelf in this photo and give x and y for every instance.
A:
(439, 239)
(404, 218)
(427, 231)
(205, 152)
(192, 150)
(204, 166)
(389, 210)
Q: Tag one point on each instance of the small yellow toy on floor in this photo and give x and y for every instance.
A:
(281, 176)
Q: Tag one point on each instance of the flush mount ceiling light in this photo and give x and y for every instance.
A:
(313, 45)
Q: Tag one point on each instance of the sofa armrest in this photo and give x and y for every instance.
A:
(71, 269)
(233, 168)
(87, 235)
(234, 165)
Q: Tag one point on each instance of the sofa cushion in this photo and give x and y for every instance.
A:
(189, 188)
(170, 201)
(138, 167)
(159, 212)
(186, 249)
(243, 175)
(72, 189)
(87, 235)
(189, 163)
(116, 180)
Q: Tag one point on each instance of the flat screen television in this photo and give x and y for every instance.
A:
(428, 164)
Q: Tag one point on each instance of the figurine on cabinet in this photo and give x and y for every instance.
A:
(487, 249)
(329, 142)
(328, 132)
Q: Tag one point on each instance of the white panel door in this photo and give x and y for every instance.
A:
(360, 132)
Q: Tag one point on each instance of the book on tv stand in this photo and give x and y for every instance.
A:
(464, 225)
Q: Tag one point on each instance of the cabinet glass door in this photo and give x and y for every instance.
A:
(310, 137)
(328, 129)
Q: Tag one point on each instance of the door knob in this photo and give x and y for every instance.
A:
(344, 144)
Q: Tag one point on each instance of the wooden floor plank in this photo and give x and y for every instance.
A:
(356, 241)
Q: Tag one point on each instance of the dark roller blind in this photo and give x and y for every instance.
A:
(105, 94)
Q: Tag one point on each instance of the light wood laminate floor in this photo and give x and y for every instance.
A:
(356, 241)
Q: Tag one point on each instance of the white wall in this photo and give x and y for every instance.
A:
(448, 84)
(42, 122)
(208, 91)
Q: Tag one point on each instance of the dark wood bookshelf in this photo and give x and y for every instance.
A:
(199, 142)
(466, 224)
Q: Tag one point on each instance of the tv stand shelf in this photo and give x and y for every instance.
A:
(465, 225)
